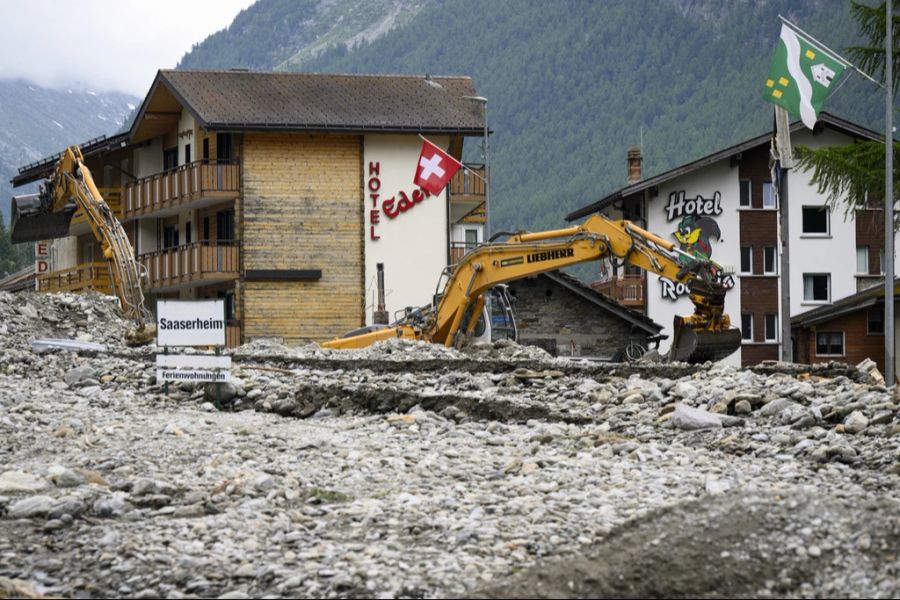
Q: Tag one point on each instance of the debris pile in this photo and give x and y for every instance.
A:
(410, 470)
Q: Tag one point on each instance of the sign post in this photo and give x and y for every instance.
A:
(191, 323)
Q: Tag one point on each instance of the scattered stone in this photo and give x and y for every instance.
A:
(855, 422)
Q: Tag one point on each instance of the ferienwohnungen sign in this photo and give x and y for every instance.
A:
(190, 323)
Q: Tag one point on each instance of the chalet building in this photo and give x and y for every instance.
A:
(848, 330)
(722, 206)
(282, 193)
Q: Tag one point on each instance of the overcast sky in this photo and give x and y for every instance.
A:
(104, 45)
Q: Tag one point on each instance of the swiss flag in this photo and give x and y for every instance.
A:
(435, 168)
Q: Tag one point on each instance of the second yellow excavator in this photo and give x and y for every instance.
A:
(454, 315)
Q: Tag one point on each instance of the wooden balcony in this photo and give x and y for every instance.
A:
(85, 277)
(458, 250)
(193, 185)
(467, 195)
(466, 187)
(232, 333)
(198, 263)
(627, 290)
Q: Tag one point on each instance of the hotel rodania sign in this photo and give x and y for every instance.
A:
(696, 230)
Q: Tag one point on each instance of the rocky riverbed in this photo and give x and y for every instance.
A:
(407, 470)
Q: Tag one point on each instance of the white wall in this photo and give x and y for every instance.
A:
(186, 123)
(834, 254)
(64, 253)
(719, 177)
(413, 245)
(148, 160)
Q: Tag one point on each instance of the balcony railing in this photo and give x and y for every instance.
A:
(199, 262)
(166, 191)
(467, 187)
(82, 278)
(232, 333)
(113, 198)
(627, 290)
(458, 250)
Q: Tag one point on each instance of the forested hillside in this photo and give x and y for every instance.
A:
(572, 84)
(283, 34)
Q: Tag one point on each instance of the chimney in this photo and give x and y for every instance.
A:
(634, 165)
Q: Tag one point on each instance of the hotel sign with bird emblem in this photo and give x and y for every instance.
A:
(696, 231)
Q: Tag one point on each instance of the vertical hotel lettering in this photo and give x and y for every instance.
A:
(374, 185)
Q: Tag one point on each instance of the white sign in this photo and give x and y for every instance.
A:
(190, 323)
(193, 367)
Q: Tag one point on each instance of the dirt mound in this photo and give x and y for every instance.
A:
(737, 545)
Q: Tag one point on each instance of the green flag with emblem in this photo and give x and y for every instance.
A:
(801, 76)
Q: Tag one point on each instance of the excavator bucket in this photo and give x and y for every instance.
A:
(700, 345)
(32, 222)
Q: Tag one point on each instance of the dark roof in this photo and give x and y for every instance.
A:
(829, 119)
(249, 100)
(19, 281)
(869, 297)
(42, 168)
(574, 285)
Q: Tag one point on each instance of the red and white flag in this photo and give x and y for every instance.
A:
(435, 168)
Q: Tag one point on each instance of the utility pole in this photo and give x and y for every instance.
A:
(889, 197)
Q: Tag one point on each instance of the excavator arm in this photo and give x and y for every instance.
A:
(72, 186)
(705, 335)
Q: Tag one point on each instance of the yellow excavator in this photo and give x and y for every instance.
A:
(48, 214)
(458, 308)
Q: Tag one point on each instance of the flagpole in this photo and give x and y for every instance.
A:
(834, 54)
(889, 199)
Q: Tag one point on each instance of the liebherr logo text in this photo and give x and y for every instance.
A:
(551, 255)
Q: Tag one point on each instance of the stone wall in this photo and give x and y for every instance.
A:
(553, 317)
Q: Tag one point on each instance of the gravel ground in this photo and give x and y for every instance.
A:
(406, 470)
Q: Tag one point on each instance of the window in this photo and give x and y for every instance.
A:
(225, 225)
(830, 343)
(862, 259)
(228, 297)
(170, 236)
(187, 233)
(187, 154)
(769, 263)
(745, 193)
(471, 238)
(875, 320)
(815, 220)
(746, 259)
(206, 149)
(170, 158)
(747, 327)
(205, 229)
(817, 287)
(771, 327)
(768, 195)
(223, 146)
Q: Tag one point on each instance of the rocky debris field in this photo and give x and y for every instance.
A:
(409, 470)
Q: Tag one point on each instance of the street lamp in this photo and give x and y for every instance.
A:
(487, 168)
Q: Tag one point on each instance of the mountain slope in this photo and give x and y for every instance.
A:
(283, 34)
(572, 84)
(37, 121)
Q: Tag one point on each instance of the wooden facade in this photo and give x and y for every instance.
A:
(858, 342)
(302, 209)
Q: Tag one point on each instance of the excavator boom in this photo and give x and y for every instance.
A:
(47, 215)
(705, 335)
